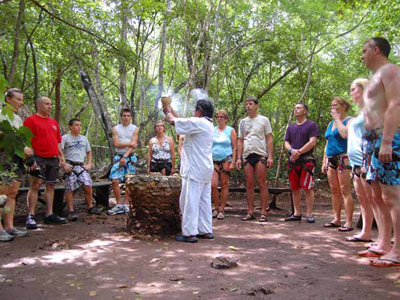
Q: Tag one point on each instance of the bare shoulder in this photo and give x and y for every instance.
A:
(389, 71)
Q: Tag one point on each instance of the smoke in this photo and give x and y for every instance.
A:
(178, 102)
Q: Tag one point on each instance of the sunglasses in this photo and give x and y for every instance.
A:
(220, 117)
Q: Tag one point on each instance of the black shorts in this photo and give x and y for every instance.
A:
(16, 165)
(253, 159)
(159, 165)
(48, 167)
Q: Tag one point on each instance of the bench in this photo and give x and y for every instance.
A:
(101, 193)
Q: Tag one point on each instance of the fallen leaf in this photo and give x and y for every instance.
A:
(92, 293)
(232, 248)
(195, 293)
(123, 286)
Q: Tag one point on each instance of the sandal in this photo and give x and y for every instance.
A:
(345, 229)
(249, 217)
(214, 213)
(220, 215)
(331, 225)
(263, 218)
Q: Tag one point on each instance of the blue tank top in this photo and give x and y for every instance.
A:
(336, 144)
(354, 140)
(222, 144)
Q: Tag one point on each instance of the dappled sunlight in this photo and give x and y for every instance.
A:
(90, 253)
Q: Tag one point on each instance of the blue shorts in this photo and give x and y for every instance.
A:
(387, 173)
(119, 172)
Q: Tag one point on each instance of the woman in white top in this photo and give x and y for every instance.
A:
(161, 156)
(14, 97)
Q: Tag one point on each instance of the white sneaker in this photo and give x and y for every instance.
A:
(126, 208)
(118, 209)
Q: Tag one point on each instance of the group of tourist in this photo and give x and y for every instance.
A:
(364, 148)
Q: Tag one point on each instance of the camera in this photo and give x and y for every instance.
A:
(29, 161)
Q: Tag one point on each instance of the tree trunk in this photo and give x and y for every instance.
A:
(14, 61)
(58, 96)
(122, 64)
(99, 107)
(162, 56)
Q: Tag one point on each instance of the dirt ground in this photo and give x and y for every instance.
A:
(95, 258)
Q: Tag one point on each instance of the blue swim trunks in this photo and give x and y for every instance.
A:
(388, 173)
(119, 172)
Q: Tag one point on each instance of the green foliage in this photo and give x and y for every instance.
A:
(255, 40)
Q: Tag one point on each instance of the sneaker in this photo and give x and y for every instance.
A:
(54, 219)
(17, 232)
(293, 218)
(94, 210)
(310, 219)
(72, 216)
(118, 209)
(126, 208)
(31, 222)
(5, 236)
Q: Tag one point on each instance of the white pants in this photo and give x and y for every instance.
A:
(195, 205)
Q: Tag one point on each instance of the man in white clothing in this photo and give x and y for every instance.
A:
(196, 171)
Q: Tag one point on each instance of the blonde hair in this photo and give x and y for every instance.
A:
(361, 82)
(222, 112)
(342, 102)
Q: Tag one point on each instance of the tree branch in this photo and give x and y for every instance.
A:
(73, 26)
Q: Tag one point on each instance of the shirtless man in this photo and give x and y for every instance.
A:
(382, 115)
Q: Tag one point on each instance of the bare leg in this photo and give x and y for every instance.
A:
(32, 197)
(309, 201)
(249, 176)
(366, 209)
(224, 186)
(391, 197)
(296, 194)
(11, 195)
(384, 220)
(345, 188)
(335, 195)
(214, 188)
(49, 198)
(116, 189)
(88, 195)
(69, 198)
(261, 171)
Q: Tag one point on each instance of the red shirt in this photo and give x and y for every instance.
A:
(46, 133)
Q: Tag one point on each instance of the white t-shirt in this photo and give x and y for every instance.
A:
(125, 134)
(196, 163)
(254, 131)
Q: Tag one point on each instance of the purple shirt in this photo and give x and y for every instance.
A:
(299, 135)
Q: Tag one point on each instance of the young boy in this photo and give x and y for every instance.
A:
(76, 147)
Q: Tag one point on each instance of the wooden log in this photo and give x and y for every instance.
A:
(154, 204)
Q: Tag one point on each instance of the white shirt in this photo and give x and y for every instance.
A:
(197, 163)
(125, 134)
